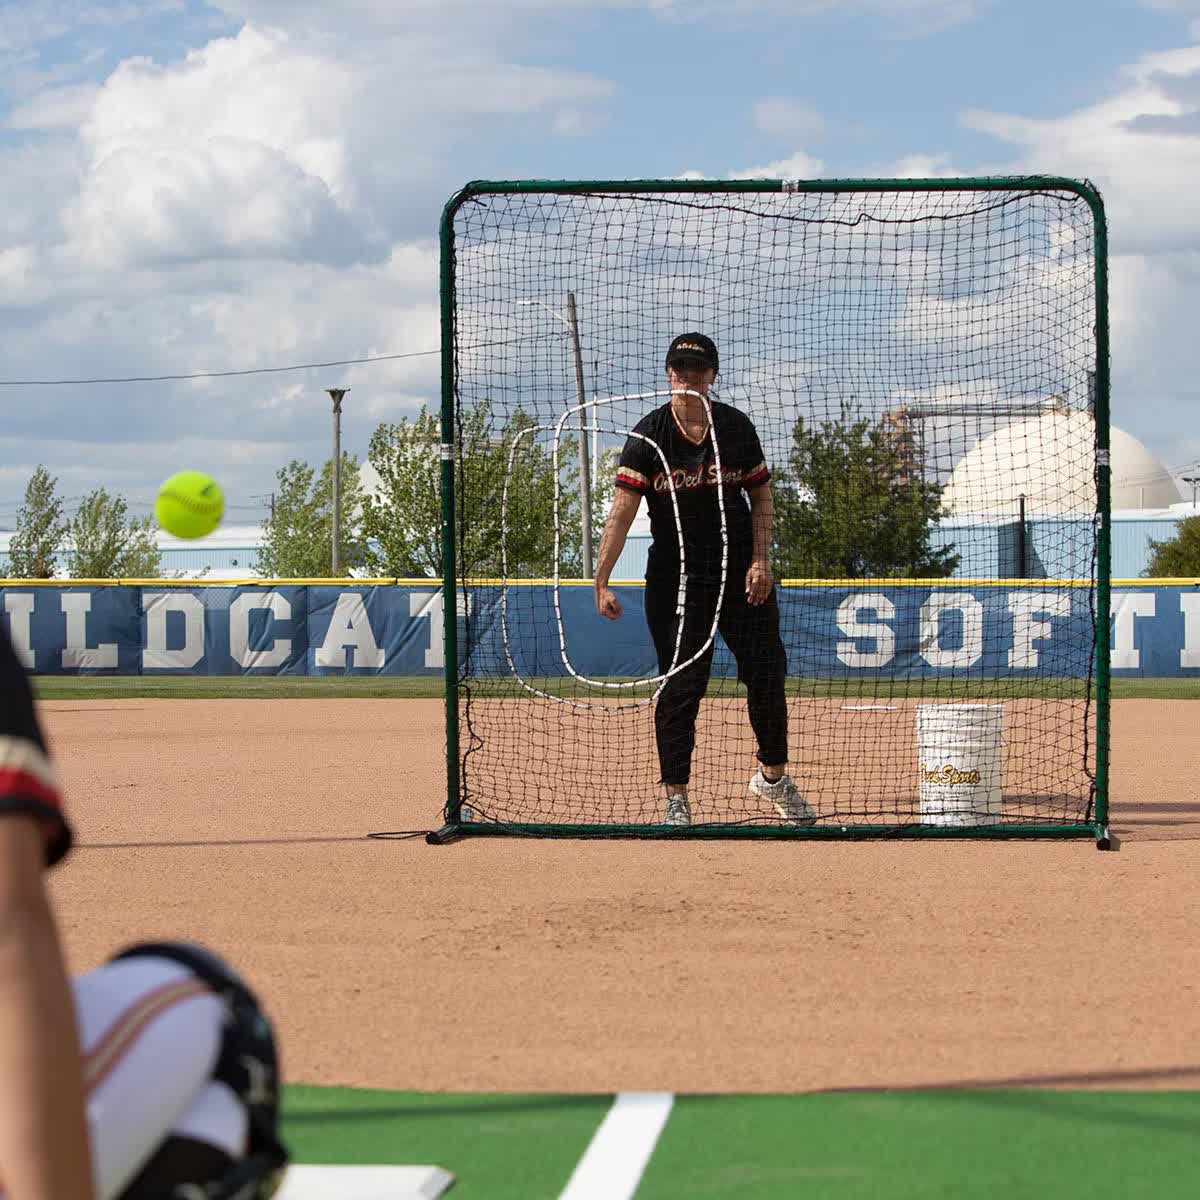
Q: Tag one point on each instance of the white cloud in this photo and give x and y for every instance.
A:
(796, 166)
(788, 119)
(259, 202)
(32, 22)
(266, 145)
(17, 267)
(47, 171)
(914, 17)
(54, 109)
(250, 205)
(185, 319)
(235, 151)
(920, 166)
(1140, 145)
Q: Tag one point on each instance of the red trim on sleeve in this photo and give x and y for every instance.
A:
(29, 786)
(16, 782)
(635, 481)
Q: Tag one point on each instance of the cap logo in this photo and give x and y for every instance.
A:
(691, 346)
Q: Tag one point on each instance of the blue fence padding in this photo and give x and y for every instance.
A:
(925, 631)
(881, 630)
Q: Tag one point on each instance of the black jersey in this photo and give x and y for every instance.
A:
(27, 779)
(691, 472)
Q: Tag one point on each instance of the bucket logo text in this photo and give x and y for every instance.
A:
(948, 773)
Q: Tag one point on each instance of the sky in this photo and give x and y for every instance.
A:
(203, 187)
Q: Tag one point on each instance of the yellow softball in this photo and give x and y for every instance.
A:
(189, 504)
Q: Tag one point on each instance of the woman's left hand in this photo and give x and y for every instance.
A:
(758, 582)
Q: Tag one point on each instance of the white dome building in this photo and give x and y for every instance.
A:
(1049, 460)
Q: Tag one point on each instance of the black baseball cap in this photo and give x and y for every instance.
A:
(693, 348)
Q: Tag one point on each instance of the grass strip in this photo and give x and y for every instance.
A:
(498, 1146)
(1072, 1145)
(429, 687)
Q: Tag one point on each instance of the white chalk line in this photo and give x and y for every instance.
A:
(612, 1166)
(364, 1183)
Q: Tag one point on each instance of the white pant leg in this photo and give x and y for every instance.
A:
(151, 1034)
(218, 1117)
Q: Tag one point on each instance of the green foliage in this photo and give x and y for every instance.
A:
(1178, 556)
(109, 544)
(141, 559)
(40, 530)
(402, 525)
(297, 541)
(604, 488)
(852, 504)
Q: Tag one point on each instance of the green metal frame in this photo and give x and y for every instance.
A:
(1096, 828)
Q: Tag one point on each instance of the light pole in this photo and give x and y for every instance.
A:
(336, 394)
(571, 321)
(1193, 480)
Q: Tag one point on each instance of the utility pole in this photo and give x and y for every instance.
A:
(585, 473)
(571, 321)
(336, 394)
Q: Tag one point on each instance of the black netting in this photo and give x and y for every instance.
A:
(916, 371)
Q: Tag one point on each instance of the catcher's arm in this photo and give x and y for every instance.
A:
(44, 1151)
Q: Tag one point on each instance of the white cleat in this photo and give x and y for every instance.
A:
(679, 811)
(785, 797)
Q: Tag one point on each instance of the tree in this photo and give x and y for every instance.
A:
(852, 504)
(402, 525)
(1178, 556)
(604, 487)
(297, 539)
(40, 530)
(109, 544)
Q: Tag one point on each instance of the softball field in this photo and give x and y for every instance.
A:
(522, 982)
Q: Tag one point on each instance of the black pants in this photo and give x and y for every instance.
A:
(752, 634)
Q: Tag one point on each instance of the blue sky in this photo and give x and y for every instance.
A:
(248, 183)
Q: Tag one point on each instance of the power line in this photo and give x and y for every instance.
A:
(340, 362)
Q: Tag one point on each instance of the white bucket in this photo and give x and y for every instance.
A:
(960, 749)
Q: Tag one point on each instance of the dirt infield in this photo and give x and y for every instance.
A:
(857, 763)
(583, 966)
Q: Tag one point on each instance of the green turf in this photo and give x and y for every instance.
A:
(1015, 1145)
(336, 687)
(931, 1145)
(499, 1147)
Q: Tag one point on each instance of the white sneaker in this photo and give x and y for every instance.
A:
(679, 811)
(786, 798)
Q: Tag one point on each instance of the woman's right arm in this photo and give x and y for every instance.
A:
(43, 1136)
(616, 529)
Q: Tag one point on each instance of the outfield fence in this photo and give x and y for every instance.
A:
(917, 628)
